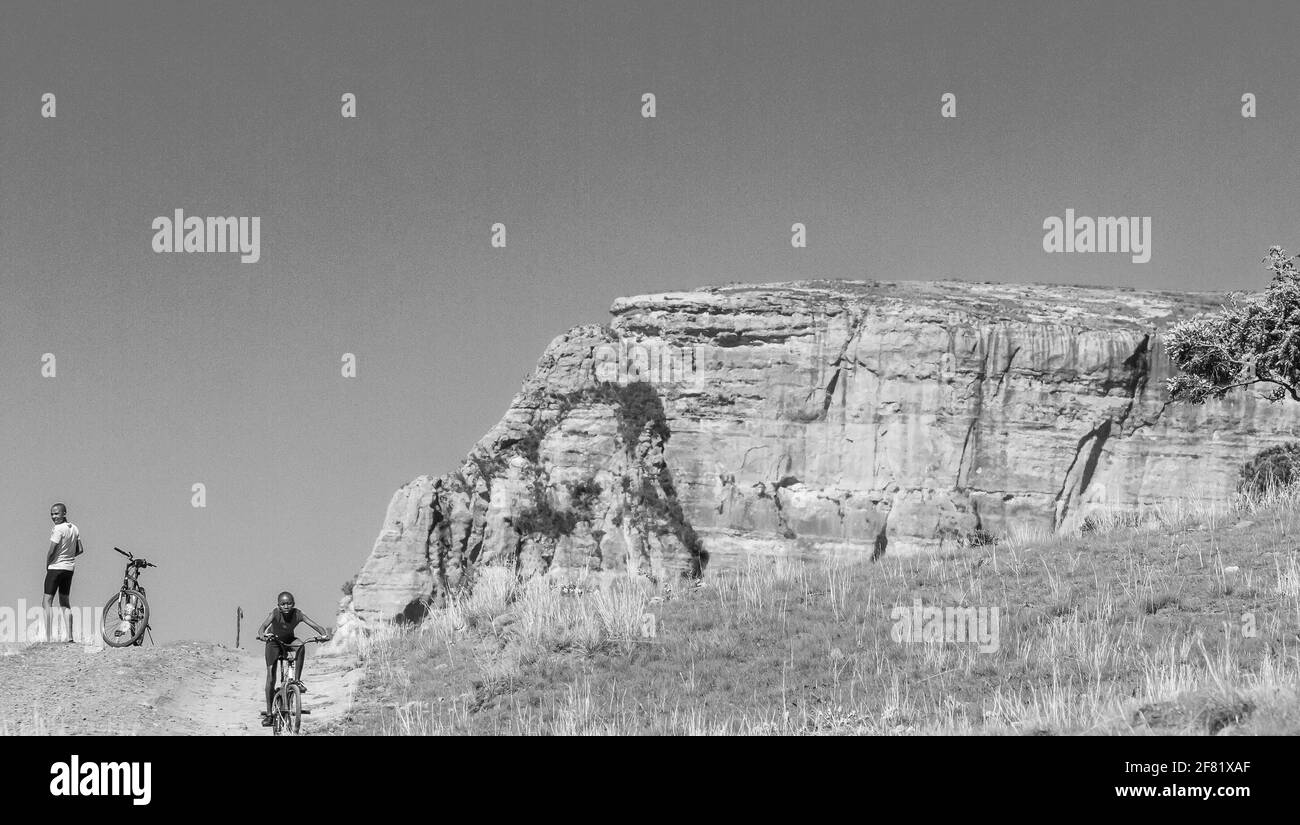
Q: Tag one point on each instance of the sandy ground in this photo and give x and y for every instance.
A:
(183, 688)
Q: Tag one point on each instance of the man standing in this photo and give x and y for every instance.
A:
(65, 546)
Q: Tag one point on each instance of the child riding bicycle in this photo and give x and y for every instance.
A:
(279, 642)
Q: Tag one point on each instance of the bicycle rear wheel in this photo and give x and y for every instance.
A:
(125, 618)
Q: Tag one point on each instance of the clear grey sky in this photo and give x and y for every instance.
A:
(175, 369)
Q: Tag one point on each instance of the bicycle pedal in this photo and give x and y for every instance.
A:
(306, 712)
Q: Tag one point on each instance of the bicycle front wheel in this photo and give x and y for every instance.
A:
(278, 715)
(295, 708)
(125, 618)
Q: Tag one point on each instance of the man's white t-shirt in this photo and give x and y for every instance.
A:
(67, 536)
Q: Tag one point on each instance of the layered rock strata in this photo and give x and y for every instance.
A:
(831, 419)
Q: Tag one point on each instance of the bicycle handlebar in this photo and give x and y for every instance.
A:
(138, 562)
(290, 645)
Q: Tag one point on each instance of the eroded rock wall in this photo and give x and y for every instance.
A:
(825, 419)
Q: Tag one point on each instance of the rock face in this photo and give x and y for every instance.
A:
(824, 419)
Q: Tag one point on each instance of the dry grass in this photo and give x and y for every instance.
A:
(38, 724)
(1138, 626)
(41, 721)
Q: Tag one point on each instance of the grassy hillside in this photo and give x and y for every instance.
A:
(1184, 622)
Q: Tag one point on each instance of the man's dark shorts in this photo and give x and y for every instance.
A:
(273, 653)
(59, 581)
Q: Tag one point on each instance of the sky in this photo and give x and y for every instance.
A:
(173, 369)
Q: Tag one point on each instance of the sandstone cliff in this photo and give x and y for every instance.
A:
(823, 419)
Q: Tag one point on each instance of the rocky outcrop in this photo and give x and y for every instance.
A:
(824, 419)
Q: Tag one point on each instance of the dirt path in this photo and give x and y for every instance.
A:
(184, 688)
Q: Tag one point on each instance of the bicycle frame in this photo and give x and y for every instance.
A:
(288, 656)
(131, 579)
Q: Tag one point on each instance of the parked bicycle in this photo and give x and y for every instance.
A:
(126, 616)
(286, 707)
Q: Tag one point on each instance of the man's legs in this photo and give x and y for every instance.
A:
(270, 688)
(56, 582)
(271, 656)
(47, 617)
(65, 588)
(298, 661)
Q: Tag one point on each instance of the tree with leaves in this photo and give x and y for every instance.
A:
(1254, 339)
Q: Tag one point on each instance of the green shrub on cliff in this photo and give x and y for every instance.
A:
(1252, 340)
(1273, 468)
(545, 520)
